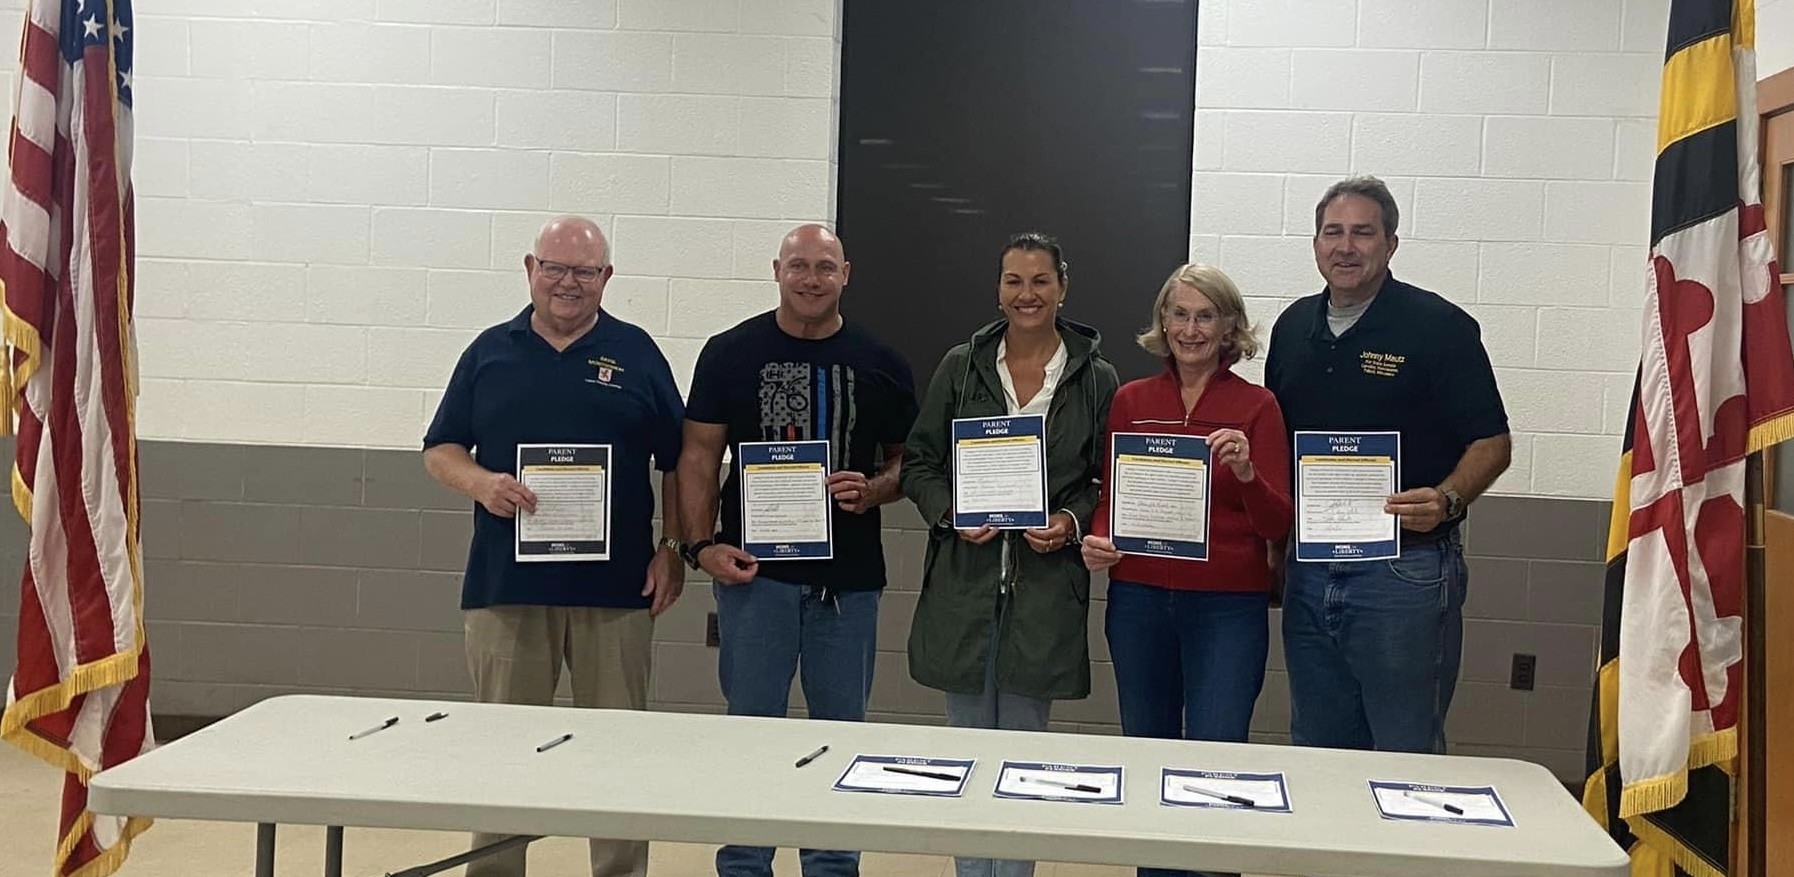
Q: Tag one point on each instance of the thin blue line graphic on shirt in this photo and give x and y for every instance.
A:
(802, 402)
(822, 401)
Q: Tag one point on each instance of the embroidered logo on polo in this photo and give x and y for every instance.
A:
(1382, 365)
(607, 371)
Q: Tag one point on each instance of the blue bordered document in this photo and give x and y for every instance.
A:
(1343, 481)
(572, 516)
(906, 775)
(1159, 495)
(1222, 790)
(999, 472)
(1044, 781)
(1419, 802)
(786, 513)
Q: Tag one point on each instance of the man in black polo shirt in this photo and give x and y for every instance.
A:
(1373, 648)
(562, 371)
(797, 373)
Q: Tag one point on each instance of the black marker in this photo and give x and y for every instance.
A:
(933, 775)
(377, 728)
(1075, 787)
(812, 756)
(434, 716)
(1453, 809)
(553, 743)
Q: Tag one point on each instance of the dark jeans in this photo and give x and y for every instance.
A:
(768, 630)
(1188, 664)
(1373, 648)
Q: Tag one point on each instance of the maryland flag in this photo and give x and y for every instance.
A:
(1715, 383)
(79, 695)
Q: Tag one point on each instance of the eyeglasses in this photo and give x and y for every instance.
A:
(582, 274)
(1179, 318)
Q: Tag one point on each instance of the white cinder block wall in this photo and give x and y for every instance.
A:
(335, 195)
(1517, 137)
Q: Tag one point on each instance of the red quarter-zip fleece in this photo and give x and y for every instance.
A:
(1242, 517)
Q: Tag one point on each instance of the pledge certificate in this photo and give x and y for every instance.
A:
(1159, 495)
(572, 516)
(1342, 483)
(785, 508)
(999, 472)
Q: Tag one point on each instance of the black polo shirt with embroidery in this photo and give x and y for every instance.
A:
(612, 386)
(1414, 362)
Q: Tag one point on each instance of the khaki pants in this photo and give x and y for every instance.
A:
(515, 655)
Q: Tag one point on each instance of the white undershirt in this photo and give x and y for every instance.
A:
(1040, 404)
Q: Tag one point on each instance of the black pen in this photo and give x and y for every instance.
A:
(380, 727)
(933, 775)
(1231, 799)
(434, 716)
(812, 756)
(1447, 806)
(1075, 787)
(553, 743)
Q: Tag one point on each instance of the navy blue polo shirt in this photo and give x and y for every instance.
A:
(612, 386)
(1414, 362)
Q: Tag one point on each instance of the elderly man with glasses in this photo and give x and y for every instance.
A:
(596, 395)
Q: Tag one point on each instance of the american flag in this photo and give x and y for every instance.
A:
(79, 696)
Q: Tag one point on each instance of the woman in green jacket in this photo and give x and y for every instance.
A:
(1001, 622)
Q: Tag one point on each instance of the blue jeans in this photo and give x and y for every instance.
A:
(1003, 710)
(1373, 648)
(1188, 664)
(768, 630)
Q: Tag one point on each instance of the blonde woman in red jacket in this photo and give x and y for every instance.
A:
(1189, 638)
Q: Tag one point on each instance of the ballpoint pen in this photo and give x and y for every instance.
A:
(1075, 787)
(377, 728)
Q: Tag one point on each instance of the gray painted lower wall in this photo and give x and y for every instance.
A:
(271, 570)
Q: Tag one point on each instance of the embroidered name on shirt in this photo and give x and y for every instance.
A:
(1382, 365)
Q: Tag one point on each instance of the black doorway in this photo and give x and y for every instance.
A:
(964, 121)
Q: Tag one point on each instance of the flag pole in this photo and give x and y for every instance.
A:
(1755, 711)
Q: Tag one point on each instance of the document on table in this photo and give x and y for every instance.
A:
(1343, 481)
(572, 516)
(1041, 781)
(906, 775)
(786, 513)
(1471, 805)
(999, 472)
(1159, 495)
(1258, 792)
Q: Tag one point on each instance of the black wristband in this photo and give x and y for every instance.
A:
(692, 550)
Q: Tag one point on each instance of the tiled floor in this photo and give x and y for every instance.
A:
(29, 791)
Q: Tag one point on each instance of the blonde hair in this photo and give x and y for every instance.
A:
(1240, 342)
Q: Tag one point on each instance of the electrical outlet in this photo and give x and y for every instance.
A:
(1525, 668)
(711, 637)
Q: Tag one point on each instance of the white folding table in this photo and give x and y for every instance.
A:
(719, 779)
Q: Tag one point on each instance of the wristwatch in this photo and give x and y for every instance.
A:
(691, 550)
(1454, 503)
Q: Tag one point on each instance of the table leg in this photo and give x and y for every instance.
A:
(333, 851)
(264, 850)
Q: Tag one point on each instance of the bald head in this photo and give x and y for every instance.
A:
(811, 269)
(575, 240)
(812, 237)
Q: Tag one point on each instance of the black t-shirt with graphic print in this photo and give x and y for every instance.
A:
(849, 388)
